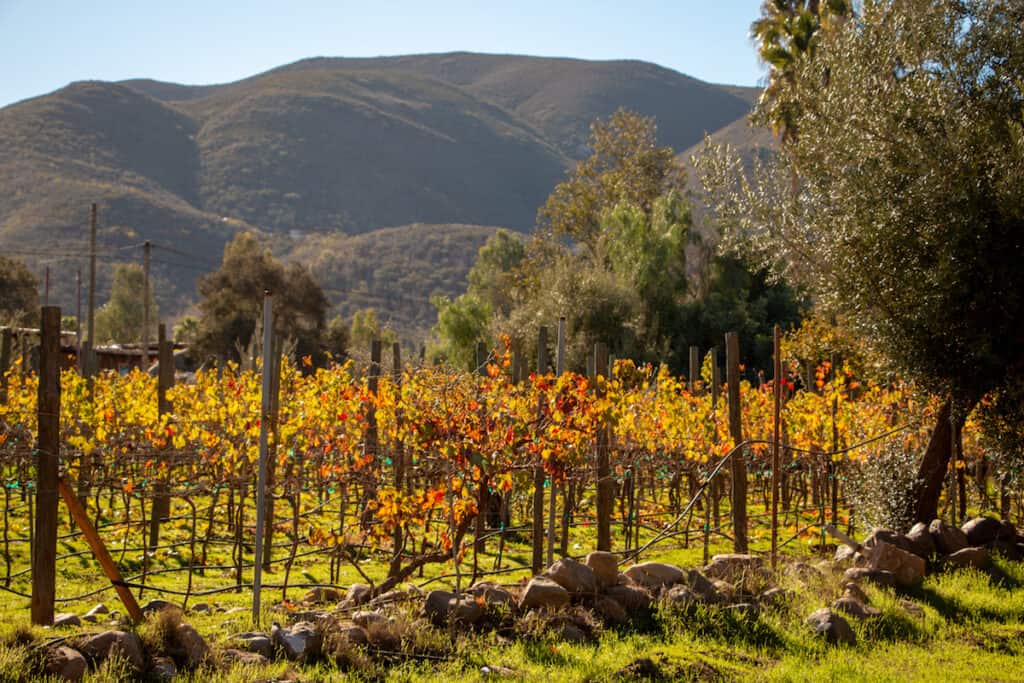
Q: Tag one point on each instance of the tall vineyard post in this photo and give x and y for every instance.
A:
(738, 465)
(261, 477)
(44, 547)
(537, 562)
(605, 493)
(776, 441)
(552, 485)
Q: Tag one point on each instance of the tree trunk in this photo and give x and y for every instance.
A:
(935, 464)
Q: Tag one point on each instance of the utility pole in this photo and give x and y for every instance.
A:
(46, 287)
(92, 291)
(147, 250)
(78, 317)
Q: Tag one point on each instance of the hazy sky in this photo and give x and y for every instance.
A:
(44, 45)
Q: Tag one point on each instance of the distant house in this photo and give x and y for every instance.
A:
(118, 357)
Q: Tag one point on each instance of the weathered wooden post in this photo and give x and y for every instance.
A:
(738, 465)
(553, 490)
(5, 362)
(605, 494)
(44, 547)
(261, 476)
(165, 381)
(537, 563)
(776, 443)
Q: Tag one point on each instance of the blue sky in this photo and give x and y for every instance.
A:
(46, 45)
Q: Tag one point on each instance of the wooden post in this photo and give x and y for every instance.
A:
(5, 362)
(716, 390)
(776, 438)
(694, 369)
(164, 381)
(605, 494)
(552, 489)
(480, 362)
(261, 476)
(538, 468)
(44, 547)
(147, 250)
(738, 465)
(99, 550)
(89, 365)
(398, 462)
(46, 287)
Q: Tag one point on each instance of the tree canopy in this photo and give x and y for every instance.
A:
(120, 319)
(19, 292)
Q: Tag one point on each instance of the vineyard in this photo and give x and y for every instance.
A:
(384, 476)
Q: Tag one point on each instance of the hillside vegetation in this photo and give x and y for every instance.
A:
(318, 150)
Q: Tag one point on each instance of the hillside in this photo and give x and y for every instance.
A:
(326, 146)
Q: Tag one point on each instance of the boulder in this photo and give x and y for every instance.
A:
(66, 620)
(98, 611)
(322, 594)
(921, 542)
(948, 539)
(109, 644)
(64, 662)
(726, 591)
(157, 605)
(194, 649)
(879, 577)
(733, 567)
(844, 553)
(467, 610)
(201, 608)
(492, 594)
(912, 608)
(654, 575)
(163, 669)
(542, 592)
(853, 590)
(569, 632)
(610, 611)
(367, 618)
(358, 594)
(855, 608)
(1007, 532)
(632, 598)
(234, 656)
(258, 643)
(978, 558)
(353, 635)
(437, 606)
(681, 597)
(981, 530)
(1010, 551)
(573, 576)
(605, 566)
(775, 597)
(831, 626)
(887, 536)
(700, 585)
(301, 642)
(908, 568)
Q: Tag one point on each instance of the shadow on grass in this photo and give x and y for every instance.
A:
(730, 626)
(544, 653)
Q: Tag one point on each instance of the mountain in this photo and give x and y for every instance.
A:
(317, 153)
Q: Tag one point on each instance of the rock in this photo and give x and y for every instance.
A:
(700, 585)
(921, 542)
(573, 576)
(805, 572)
(109, 644)
(437, 606)
(98, 610)
(492, 594)
(467, 611)
(157, 605)
(852, 590)
(981, 530)
(1010, 551)
(726, 590)
(163, 669)
(681, 597)
(979, 558)
(194, 648)
(643, 669)
(654, 575)
(301, 642)
(879, 577)
(234, 656)
(631, 598)
(1007, 532)
(744, 610)
(832, 627)
(543, 592)
(322, 594)
(733, 567)
(64, 662)
(605, 566)
(844, 553)
(66, 619)
(366, 618)
(855, 608)
(775, 597)
(570, 632)
(497, 671)
(89, 619)
(358, 594)
(611, 611)
(258, 643)
(353, 635)
(887, 536)
(201, 608)
(908, 568)
(948, 539)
